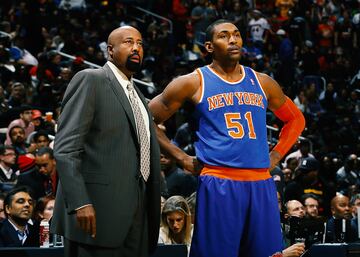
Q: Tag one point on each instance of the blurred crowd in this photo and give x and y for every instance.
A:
(310, 47)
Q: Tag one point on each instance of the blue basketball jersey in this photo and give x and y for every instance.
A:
(232, 121)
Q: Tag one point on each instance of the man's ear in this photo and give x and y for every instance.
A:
(110, 51)
(209, 47)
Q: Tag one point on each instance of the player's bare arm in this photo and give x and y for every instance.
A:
(285, 110)
(163, 106)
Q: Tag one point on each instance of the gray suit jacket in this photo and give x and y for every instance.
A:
(97, 155)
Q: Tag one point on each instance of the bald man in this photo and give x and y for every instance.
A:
(339, 227)
(294, 208)
(108, 159)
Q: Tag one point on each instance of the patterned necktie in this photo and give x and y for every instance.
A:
(48, 187)
(142, 135)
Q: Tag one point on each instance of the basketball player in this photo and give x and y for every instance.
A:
(237, 212)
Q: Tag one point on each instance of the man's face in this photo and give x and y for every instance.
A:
(287, 174)
(341, 208)
(45, 164)
(42, 141)
(26, 116)
(226, 42)
(2, 211)
(18, 92)
(295, 208)
(9, 157)
(165, 162)
(176, 221)
(21, 207)
(126, 49)
(312, 207)
(17, 136)
(356, 205)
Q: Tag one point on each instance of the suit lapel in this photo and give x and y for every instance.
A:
(13, 239)
(121, 96)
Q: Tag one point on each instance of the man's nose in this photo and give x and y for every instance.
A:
(136, 47)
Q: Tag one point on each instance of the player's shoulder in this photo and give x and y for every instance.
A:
(189, 80)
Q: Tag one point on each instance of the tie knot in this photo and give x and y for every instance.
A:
(130, 86)
(21, 233)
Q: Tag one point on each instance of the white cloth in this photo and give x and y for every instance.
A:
(257, 28)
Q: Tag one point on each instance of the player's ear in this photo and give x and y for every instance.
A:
(209, 46)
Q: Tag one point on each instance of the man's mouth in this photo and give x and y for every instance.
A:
(135, 58)
(234, 50)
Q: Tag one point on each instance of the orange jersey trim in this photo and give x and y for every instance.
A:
(236, 174)
(200, 97)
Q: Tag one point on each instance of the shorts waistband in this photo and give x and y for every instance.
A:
(236, 173)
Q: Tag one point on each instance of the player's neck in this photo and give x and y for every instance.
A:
(231, 72)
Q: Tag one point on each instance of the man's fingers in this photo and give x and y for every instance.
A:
(93, 227)
(86, 220)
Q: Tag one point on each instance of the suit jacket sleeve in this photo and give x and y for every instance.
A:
(73, 127)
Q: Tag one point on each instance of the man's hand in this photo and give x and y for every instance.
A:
(275, 157)
(191, 164)
(87, 219)
(294, 250)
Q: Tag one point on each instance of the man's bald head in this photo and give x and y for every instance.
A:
(295, 208)
(340, 207)
(118, 31)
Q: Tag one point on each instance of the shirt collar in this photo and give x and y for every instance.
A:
(16, 228)
(7, 173)
(119, 74)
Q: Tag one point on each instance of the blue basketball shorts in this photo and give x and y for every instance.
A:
(236, 219)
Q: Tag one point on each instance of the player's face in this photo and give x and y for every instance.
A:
(226, 42)
(176, 221)
(126, 50)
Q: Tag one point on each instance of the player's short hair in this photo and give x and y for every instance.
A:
(209, 33)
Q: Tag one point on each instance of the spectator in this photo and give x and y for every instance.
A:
(38, 140)
(17, 97)
(176, 227)
(44, 208)
(302, 152)
(349, 174)
(284, 7)
(311, 204)
(18, 230)
(46, 164)
(286, 71)
(25, 121)
(339, 228)
(258, 28)
(288, 175)
(202, 16)
(8, 176)
(308, 181)
(355, 204)
(2, 210)
(294, 208)
(294, 250)
(17, 138)
(178, 182)
(37, 119)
